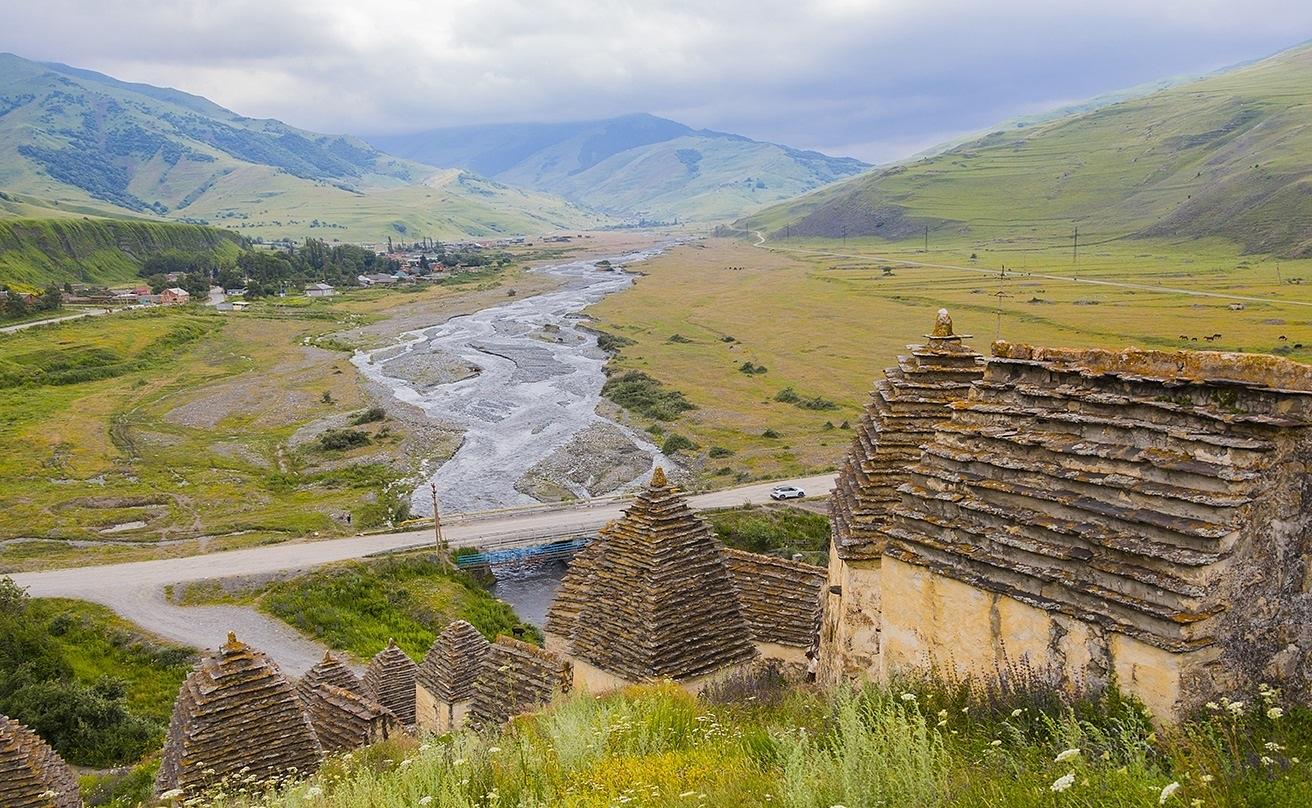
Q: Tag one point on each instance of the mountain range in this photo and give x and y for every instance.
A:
(1228, 155)
(633, 165)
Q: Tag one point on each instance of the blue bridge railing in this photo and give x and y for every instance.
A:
(537, 552)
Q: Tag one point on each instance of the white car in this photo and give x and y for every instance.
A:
(786, 492)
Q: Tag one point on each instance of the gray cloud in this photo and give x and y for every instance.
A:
(875, 78)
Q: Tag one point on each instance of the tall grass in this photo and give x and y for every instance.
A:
(917, 744)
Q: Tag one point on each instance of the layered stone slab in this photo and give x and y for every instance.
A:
(344, 720)
(516, 677)
(390, 679)
(33, 775)
(780, 598)
(445, 685)
(236, 715)
(331, 670)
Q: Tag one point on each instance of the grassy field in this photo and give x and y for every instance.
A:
(179, 430)
(825, 319)
(915, 746)
(775, 530)
(358, 606)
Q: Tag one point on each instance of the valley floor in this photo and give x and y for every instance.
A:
(777, 345)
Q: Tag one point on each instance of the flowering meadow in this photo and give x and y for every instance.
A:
(914, 745)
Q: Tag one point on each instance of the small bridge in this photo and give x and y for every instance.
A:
(549, 551)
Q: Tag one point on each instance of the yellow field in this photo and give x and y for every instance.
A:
(827, 319)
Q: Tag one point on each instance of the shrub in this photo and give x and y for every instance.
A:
(790, 396)
(719, 451)
(751, 369)
(679, 338)
(336, 440)
(636, 391)
(676, 443)
(770, 433)
(612, 343)
(369, 416)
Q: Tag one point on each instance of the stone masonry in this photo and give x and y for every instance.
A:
(514, 678)
(390, 678)
(32, 775)
(445, 685)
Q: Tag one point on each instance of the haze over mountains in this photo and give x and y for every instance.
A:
(1229, 155)
(634, 165)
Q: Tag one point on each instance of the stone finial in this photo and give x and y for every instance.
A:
(658, 478)
(942, 324)
(233, 644)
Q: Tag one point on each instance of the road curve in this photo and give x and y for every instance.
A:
(135, 590)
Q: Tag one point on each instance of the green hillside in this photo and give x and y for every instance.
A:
(635, 165)
(74, 139)
(1229, 155)
(34, 252)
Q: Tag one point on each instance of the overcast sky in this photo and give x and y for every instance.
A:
(876, 79)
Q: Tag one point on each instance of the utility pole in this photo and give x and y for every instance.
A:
(438, 539)
(1278, 273)
(1075, 246)
(926, 239)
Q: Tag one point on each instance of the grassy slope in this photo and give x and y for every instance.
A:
(34, 252)
(357, 606)
(107, 147)
(1225, 156)
(96, 642)
(827, 325)
(655, 746)
(180, 436)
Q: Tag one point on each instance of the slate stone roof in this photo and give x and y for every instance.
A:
(659, 600)
(32, 775)
(572, 594)
(452, 662)
(1159, 494)
(236, 711)
(390, 678)
(780, 598)
(516, 677)
(903, 408)
(330, 670)
(344, 720)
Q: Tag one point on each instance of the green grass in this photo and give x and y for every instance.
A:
(654, 746)
(774, 530)
(358, 606)
(1226, 156)
(826, 320)
(36, 252)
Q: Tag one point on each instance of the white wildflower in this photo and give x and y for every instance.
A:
(942, 714)
(425, 800)
(171, 794)
(1211, 705)
(995, 742)
(492, 750)
(1274, 713)
(423, 747)
(1207, 778)
(1066, 755)
(1016, 712)
(1064, 782)
(1272, 746)
(908, 696)
(1266, 761)
(1236, 707)
(313, 793)
(687, 794)
(1167, 791)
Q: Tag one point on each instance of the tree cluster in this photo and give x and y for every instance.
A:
(17, 306)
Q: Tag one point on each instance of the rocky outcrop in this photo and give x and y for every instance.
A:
(32, 775)
(780, 599)
(903, 409)
(330, 670)
(236, 713)
(516, 677)
(390, 679)
(453, 661)
(344, 720)
(659, 600)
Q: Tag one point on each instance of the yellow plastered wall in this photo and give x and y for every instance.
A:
(850, 636)
(932, 621)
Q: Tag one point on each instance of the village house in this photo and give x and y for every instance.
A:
(173, 296)
(320, 290)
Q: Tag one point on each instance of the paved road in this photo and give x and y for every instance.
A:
(136, 590)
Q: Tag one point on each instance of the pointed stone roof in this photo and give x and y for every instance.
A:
(344, 720)
(390, 678)
(572, 594)
(329, 670)
(900, 417)
(32, 775)
(452, 662)
(660, 601)
(516, 677)
(236, 711)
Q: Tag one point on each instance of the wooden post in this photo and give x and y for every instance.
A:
(439, 540)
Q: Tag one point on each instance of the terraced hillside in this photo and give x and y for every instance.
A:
(1229, 155)
(82, 142)
(634, 165)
